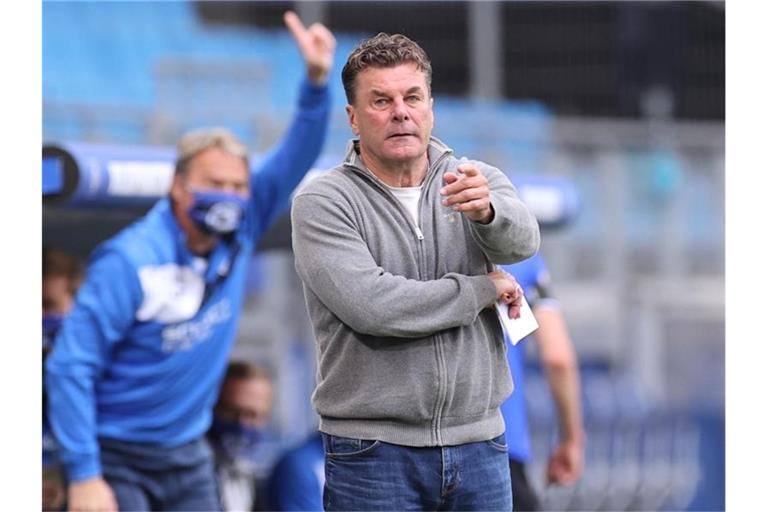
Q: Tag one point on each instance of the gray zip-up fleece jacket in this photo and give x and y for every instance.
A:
(408, 350)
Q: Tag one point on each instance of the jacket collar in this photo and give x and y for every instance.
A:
(435, 151)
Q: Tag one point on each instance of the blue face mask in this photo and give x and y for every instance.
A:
(218, 213)
(51, 326)
(234, 438)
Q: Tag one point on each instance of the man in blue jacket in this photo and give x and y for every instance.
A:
(136, 368)
(561, 368)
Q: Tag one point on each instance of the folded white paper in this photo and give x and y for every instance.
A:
(517, 328)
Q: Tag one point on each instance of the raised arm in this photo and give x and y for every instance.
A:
(287, 163)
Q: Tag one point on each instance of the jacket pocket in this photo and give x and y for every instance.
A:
(477, 365)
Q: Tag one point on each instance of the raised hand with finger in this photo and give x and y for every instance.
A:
(467, 191)
(316, 45)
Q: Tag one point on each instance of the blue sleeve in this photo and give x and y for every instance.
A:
(103, 312)
(286, 164)
(538, 268)
(542, 282)
(533, 276)
(294, 486)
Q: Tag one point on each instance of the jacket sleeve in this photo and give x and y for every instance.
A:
(513, 234)
(286, 164)
(103, 312)
(334, 262)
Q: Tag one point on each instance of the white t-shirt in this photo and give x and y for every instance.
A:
(409, 197)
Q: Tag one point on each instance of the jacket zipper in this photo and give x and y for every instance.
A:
(415, 226)
(442, 385)
(441, 374)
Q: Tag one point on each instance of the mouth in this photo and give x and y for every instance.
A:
(399, 135)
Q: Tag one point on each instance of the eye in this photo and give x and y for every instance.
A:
(380, 102)
(413, 98)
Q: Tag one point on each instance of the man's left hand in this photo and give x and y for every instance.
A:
(467, 192)
(316, 45)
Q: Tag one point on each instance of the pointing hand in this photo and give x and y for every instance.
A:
(316, 45)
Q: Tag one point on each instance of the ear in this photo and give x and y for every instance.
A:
(177, 188)
(431, 115)
(352, 118)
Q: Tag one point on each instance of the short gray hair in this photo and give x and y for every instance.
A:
(194, 142)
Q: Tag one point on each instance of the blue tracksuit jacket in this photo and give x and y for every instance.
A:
(141, 356)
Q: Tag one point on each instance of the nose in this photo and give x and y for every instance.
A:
(399, 110)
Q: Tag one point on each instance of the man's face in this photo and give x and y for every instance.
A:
(57, 297)
(392, 114)
(213, 169)
(247, 401)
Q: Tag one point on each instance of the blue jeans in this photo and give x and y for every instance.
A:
(149, 477)
(374, 475)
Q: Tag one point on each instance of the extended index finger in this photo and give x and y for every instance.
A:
(294, 24)
(468, 169)
(463, 181)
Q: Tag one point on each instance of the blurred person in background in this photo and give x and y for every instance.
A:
(297, 480)
(137, 365)
(240, 437)
(561, 368)
(396, 251)
(62, 275)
